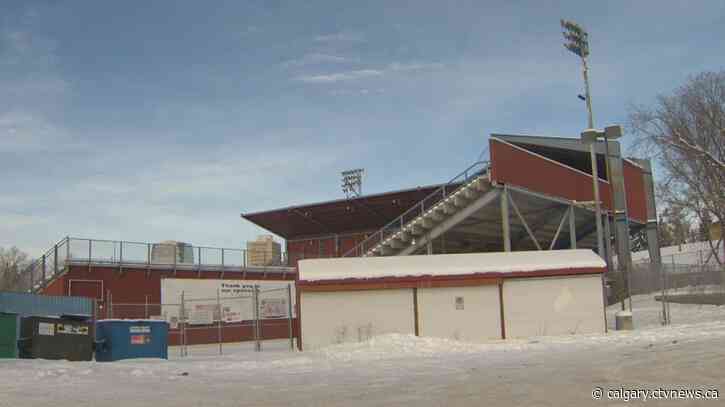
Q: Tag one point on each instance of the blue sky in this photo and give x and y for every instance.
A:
(164, 120)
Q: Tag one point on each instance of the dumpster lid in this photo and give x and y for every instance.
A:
(131, 320)
(77, 317)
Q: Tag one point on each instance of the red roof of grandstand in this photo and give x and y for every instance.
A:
(369, 212)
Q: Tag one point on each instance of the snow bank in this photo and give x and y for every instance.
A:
(446, 264)
(398, 346)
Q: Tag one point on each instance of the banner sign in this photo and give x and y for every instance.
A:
(235, 304)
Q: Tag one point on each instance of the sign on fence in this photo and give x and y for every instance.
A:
(273, 307)
(235, 302)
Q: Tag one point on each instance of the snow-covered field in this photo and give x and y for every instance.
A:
(397, 370)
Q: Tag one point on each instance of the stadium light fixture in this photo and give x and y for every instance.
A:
(352, 182)
(577, 42)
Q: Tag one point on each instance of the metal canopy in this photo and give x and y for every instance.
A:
(361, 214)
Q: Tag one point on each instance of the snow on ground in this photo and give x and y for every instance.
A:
(647, 312)
(395, 370)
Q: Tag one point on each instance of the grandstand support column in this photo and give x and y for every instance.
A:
(621, 221)
(653, 244)
(429, 247)
(505, 225)
(608, 241)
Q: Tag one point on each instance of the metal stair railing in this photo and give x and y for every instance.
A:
(475, 170)
(47, 266)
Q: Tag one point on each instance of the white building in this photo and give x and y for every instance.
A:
(470, 297)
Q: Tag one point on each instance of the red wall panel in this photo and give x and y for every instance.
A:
(134, 285)
(634, 187)
(316, 247)
(271, 329)
(56, 287)
(515, 166)
(86, 288)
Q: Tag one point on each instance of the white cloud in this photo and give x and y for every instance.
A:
(413, 66)
(172, 192)
(316, 58)
(342, 36)
(25, 132)
(340, 76)
(356, 92)
(395, 67)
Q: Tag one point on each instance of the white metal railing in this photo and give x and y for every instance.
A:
(72, 250)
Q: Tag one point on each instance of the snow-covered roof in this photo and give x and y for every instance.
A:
(447, 264)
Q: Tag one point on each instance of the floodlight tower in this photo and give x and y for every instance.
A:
(577, 41)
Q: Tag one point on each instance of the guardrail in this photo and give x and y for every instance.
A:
(474, 170)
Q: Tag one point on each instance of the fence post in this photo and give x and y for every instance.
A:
(31, 278)
(255, 294)
(668, 281)
(55, 262)
(219, 312)
(289, 317)
(182, 327)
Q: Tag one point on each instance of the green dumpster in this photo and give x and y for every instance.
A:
(9, 329)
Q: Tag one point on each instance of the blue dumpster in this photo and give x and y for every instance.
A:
(118, 339)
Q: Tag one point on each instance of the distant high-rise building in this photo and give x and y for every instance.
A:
(264, 252)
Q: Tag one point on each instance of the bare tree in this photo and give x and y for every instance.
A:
(685, 133)
(13, 265)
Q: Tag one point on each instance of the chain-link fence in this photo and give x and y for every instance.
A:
(251, 314)
(688, 287)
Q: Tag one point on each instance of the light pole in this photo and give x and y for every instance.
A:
(577, 41)
(589, 137)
